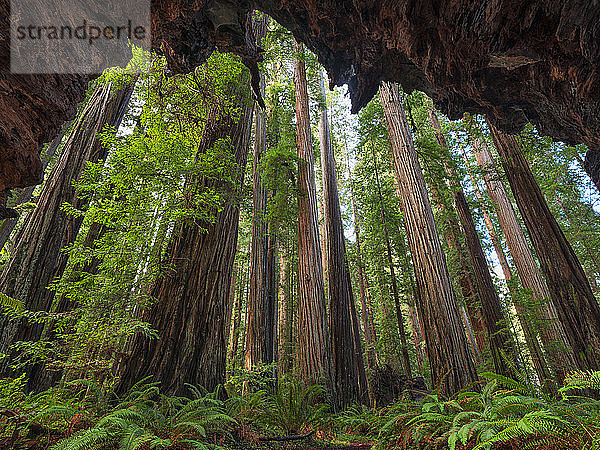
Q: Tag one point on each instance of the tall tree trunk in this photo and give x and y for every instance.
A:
(284, 334)
(314, 347)
(270, 350)
(8, 225)
(348, 365)
(236, 313)
(577, 308)
(367, 316)
(193, 295)
(395, 292)
(470, 335)
(260, 313)
(497, 335)
(531, 338)
(37, 258)
(552, 333)
(234, 335)
(449, 355)
(451, 231)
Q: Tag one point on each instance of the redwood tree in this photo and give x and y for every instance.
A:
(37, 258)
(497, 335)
(314, 348)
(363, 287)
(192, 295)
(551, 332)
(260, 317)
(348, 365)
(449, 355)
(523, 314)
(570, 291)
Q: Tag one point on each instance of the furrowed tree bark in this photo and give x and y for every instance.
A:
(552, 334)
(449, 355)
(193, 295)
(347, 358)
(577, 308)
(37, 258)
(531, 337)
(497, 335)
(314, 346)
(260, 319)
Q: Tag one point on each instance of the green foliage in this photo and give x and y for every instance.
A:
(295, 407)
(90, 416)
(159, 172)
(11, 306)
(502, 411)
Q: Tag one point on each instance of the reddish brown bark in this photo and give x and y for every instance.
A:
(570, 291)
(348, 365)
(37, 258)
(449, 355)
(367, 314)
(260, 315)
(193, 294)
(497, 334)
(531, 337)
(314, 348)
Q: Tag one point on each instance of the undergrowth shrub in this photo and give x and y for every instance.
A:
(504, 413)
(294, 407)
(84, 415)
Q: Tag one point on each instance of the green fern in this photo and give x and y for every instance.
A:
(504, 411)
(11, 306)
(294, 407)
(147, 419)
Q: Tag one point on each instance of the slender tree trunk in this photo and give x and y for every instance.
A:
(348, 365)
(270, 350)
(367, 317)
(193, 295)
(577, 308)
(284, 362)
(395, 292)
(314, 347)
(469, 328)
(236, 313)
(231, 309)
(234, 336)
(416, 332)
(260, 313)
(497, 335)
(37, 258)
(449, 355)
(451, 231)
